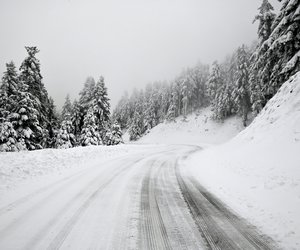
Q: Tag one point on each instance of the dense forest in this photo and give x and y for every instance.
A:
(29, 121)
(242, 83)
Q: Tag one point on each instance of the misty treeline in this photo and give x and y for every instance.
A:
(29, 121)
(242, 83)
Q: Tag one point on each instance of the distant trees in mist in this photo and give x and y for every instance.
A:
(241, 83)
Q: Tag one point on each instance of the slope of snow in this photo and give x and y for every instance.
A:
(198, 128)
(258, 172)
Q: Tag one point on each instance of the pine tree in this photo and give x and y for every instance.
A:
(24, 118)
(121, 112)
(31, 76)
(76, 119)
(224, 103)
(171, 115)
(137, 128)
(8, 90)
(278, 57)
(215, 81)
(87, 95)
(265, 18)
(241, 93)
(115, 135)
(259, 79)
(89, 133)
(9, 138)
(67, 109)
(19, 114)
(53, 124)
(215, 86)
(101, 109)
(65, 137)
(101, 101)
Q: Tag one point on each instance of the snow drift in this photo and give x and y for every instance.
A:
(258, 172)
(199, 128)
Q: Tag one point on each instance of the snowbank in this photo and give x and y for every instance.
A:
(258, 172)
(198, 128)
(18, 167)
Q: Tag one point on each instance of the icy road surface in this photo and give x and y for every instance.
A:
(137, 201)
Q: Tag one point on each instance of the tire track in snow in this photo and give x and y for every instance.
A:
(220, 228)
(59, 239)
(153, 233)
(68, 226)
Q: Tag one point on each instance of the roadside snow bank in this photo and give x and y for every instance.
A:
(198, 128)
(17, 167)
(258, 172)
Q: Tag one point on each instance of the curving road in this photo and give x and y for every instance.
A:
(139, 201)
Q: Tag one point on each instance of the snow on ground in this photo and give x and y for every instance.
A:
(199, 128)
(258, 172)
(29, 166)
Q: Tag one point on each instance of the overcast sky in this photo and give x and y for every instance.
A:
(130, 43)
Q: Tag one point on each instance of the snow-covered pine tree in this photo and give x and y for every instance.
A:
(101, 103)
(101, 108)
(8, 90)
(198, 77)
(259, 79)
(87, 95)
(24, 118)
(116, 134)
(215, 85)
(171, 115)
(65, 137)
(77, 119)
(224, 103)
(121, 113)
(215, 81)
(67, 109)
(89, 133)
(53, 123)
(86, 101)
(137, 127)
(9, 138)
(278, 57)
(265, 18)
(284, 43)
(172, 112)
(149, 107)
(164, 104)
(31, 76)
(241, 93)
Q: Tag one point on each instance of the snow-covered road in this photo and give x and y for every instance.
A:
(135, 201)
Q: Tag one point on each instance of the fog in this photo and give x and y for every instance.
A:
(130, 43)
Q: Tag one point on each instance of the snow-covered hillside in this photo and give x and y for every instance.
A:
(258, 172)
(198, 128)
